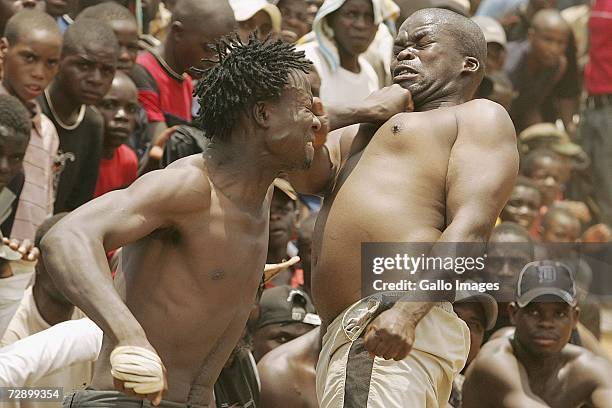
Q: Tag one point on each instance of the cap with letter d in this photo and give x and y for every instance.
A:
(545, 278)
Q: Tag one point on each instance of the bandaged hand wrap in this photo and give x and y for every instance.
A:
(140, 369)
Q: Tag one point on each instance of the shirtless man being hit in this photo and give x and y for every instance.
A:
(439, 174)
(195, 234)
(536, 367)
(181, 230)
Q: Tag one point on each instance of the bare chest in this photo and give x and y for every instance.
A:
(561, 391)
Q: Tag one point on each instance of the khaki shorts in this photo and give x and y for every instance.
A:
(348, 377)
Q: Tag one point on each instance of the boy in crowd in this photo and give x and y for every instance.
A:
(524, 203)
(86, 70)
(537, 367)
(545, 167)
(295, 18)
(256, 16)
(15, 127)
(119, 164)
(124, 25)
(31, 46)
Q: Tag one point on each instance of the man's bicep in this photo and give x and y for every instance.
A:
(482, 170)
(123, 216)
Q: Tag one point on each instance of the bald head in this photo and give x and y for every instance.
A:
(195, 25)
(548, 37)
(193, 13)
(550, 19)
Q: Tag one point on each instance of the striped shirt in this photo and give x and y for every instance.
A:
(37, 196)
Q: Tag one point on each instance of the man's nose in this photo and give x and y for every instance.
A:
(405, 54)
(121, 114)
(38, 71)
(95, 77)
(124, 53)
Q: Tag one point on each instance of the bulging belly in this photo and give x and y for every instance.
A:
(349, 222)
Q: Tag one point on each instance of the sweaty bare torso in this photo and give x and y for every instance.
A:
(570, 386)
(191, 287)
(394, 191)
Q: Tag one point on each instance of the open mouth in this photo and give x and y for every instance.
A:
(404, 72)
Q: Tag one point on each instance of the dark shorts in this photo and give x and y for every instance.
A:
(114, 399)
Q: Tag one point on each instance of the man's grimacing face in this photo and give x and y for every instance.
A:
(293, 123)
(424, 57)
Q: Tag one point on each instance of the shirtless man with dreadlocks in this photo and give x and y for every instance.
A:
(183, 294)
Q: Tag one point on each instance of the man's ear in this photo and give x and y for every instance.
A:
(576, 312)
(4, 45)
(470, 64)
(261, 115)
(512, 311)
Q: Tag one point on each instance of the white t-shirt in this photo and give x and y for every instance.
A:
(62, 358)
(341, 87)
(11, 291)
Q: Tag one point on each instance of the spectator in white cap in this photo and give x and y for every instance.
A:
(496, 42)
(256, 16)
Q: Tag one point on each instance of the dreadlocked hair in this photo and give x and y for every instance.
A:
(243, 75)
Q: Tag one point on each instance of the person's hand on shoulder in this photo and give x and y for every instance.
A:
(390, 335)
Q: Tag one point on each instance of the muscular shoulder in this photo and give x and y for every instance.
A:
(587, 365)
(486, 120)
(274, 363)
(276, 378)
(181, 187)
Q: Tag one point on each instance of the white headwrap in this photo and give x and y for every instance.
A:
(385, 11)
